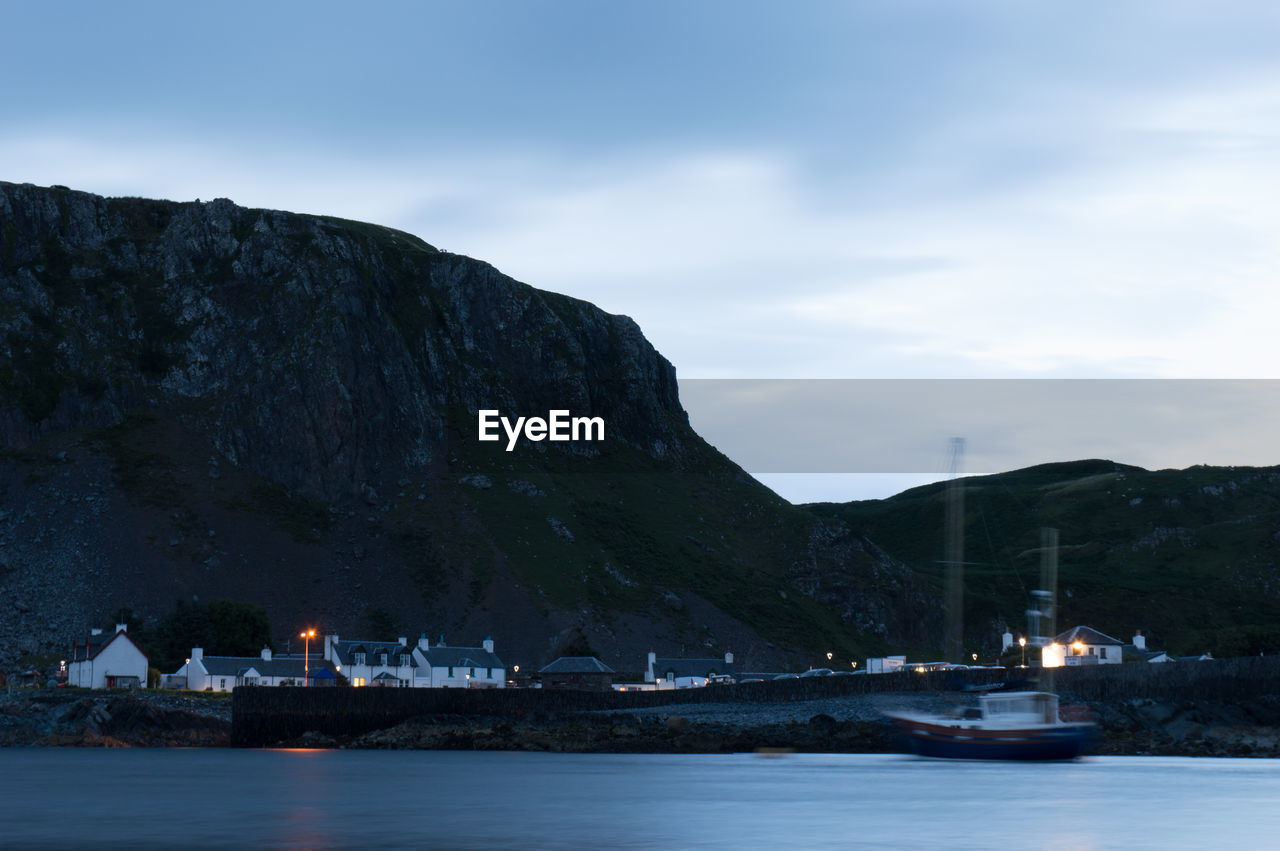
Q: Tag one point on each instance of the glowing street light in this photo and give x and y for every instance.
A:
(828, 657)
(306, 655)
(1022, 642)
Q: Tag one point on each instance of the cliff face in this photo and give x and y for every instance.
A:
(324, 355)
(198, 399)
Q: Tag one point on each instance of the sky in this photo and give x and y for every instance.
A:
(829, 190)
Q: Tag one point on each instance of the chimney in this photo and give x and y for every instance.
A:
(122, 627)
(1139, 640)
(648, 674)
(423, 642)
(330, 647)
(266, 654)
(728, 657)
(488, 644)
(1006, 641)
(197, 653)
(404, 642)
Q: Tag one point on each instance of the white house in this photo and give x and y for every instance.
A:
(686, 673)
(1081, 645)
(107, 661)
(372, 663)
(442, 666)
(223, 673)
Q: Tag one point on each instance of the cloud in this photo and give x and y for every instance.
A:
(1134, 240)
(886, 427)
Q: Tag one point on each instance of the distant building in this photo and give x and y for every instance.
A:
(1082, 645)
(686, 673)
(224, 673)
(381, 663)
(442, 666)
(398, 664)
(885, 664)
(1137, 651)
(586, 673)
(107, 661)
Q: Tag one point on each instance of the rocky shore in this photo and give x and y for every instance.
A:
(852, 724)
(75, 718)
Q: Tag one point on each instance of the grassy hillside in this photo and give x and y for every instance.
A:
(1187, 556)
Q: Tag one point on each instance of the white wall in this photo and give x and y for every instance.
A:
(120, 658)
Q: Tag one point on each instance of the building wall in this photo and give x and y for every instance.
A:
(120, 658)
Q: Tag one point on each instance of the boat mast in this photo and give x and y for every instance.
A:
(955, 556)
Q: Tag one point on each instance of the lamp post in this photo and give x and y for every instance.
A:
(1022, 642)
(306, 655)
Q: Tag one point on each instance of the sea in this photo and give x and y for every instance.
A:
(322, 799)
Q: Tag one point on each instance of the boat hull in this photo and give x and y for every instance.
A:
(1049, 742)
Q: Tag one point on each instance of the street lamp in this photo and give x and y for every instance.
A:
(828, 657)
(306, 655)
(1022, 642)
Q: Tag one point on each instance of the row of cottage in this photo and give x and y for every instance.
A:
(115, 660)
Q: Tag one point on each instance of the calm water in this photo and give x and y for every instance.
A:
(403, 799)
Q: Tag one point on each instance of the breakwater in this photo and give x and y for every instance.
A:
(1130, 699)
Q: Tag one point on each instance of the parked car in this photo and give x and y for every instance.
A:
(817, 672)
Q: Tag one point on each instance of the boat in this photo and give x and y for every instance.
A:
(1023, 725)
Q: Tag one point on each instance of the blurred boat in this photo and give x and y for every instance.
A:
(1023, 725)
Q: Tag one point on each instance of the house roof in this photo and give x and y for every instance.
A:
(95, 644)
(1145, 655)
(576, 665)
(691, 667)
(1086, 635)
(345, 650)
(238, 666)
(461, 657)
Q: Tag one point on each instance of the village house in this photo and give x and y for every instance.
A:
(586, 673)
(373, 663)
(224, 673)
(1082, 645)
(107, 661)
(686, 673)
(1137, 651)
(442, 666)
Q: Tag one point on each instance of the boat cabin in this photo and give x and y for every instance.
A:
(1020, 707)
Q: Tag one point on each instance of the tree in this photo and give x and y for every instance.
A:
(239, 629)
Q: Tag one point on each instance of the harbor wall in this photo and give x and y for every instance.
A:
(265, 716)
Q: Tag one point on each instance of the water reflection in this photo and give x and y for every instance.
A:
(374, 799)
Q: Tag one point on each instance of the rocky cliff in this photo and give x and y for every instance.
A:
(198, 399)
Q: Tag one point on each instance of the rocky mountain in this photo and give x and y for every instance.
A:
(202, 400)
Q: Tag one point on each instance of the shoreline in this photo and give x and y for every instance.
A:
(847, 724)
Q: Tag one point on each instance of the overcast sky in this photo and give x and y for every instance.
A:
(821, 190)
